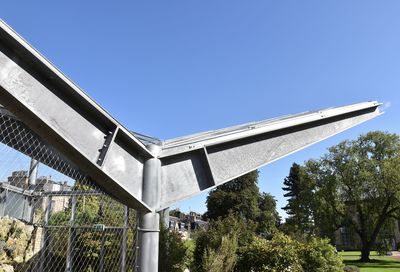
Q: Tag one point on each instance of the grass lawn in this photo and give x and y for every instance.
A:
(377, 264)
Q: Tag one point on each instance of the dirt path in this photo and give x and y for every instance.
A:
(396, 254)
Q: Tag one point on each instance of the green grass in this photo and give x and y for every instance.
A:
(377, 264)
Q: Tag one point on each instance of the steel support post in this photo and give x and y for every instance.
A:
(3, 203)
(71, 236)
(124, 239)
(33, 169)
(45, 236)
(102, 251)
(149, 222)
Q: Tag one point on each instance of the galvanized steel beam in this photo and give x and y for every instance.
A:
(51, 108)
(66, 119)
(195, 163)
(38, 94)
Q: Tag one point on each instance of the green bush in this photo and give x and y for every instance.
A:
(319, 256)
(279, 254)
(223, 259)
(282, 253)
(174, 253)
(215, 241)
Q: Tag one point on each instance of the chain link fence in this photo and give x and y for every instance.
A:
(52, 216)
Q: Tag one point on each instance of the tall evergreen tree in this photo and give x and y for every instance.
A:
(299, 190)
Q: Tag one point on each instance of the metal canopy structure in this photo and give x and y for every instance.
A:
(140, 171)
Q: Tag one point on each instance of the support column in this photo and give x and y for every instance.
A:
(33, 174)
(44, 245)
(33, 169)
(149, 222)
(124, 239)
(71, 236)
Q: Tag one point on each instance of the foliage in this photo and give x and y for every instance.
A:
(222, 259)
(91, 210)
(277, 255)
(319, 256)
(241, 197)
(383, 243)
(174, 253)
(176, 213)
(219, 240)
(357, 185)
(328, 206)
(300, 198)
(268, 218)
(283, 253)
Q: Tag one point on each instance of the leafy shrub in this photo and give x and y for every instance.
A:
(223, 259)
(173, 251)
(215, 241)
(278, 254)
(283, 253)
(319, 256)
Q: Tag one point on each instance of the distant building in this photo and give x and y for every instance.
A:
(186, 223)
(19, 179)
(347, 239)
(21, 201)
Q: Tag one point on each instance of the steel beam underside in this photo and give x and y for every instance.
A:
(186, 174)
(14, 134)
(63, 116)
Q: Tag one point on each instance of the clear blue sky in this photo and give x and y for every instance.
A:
(171, 68)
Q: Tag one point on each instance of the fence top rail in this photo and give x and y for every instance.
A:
(15, 189)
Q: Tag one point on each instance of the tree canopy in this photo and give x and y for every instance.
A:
(299, 190)
(242, 198)
(357, 186)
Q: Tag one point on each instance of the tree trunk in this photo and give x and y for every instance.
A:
(365, 250)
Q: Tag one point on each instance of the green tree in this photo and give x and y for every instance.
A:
(300, 194)
(177, 213)
(239, 196)
(268, 218)
(242, 198)
(328, 207)
(357, 185)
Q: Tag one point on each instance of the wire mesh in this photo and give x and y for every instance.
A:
(52, 216)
